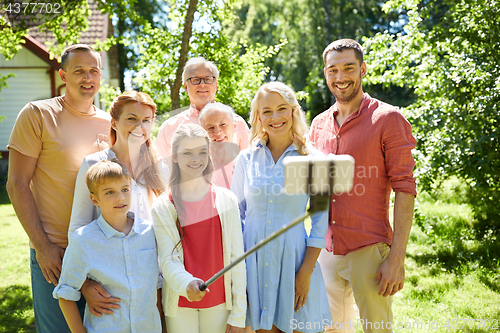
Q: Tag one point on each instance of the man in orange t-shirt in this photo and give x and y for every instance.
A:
(368, 257)
(47, 145)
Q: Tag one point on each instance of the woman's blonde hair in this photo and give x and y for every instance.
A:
(184, 131)
(146, 167)
(298, 132)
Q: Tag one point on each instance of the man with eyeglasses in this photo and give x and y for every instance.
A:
(200, 81)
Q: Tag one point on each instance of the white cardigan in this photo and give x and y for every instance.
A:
(176, 278)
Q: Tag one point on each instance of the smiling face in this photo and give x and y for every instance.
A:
(192, 157)
(275, 115)
(134, 124)
(82, 75)
(200, 94)
(219, 126)
(113, 197)
(343, 73)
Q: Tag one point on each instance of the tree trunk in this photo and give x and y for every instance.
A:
(188, 29)
(122, 54)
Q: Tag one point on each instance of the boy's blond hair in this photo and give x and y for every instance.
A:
(104, 171)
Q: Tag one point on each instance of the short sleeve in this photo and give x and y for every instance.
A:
(26, 135)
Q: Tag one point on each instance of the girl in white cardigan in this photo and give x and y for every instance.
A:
(198, 232)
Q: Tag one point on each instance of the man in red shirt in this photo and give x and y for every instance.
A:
(368, 256)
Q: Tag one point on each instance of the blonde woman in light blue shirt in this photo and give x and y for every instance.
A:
(285, 287)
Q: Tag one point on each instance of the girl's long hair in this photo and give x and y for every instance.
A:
(298, 132)
(184, 131)
(146, 169)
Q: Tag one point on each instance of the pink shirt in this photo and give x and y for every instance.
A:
(164, 139)
(380, 140)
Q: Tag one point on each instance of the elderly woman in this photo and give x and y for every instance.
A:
(286, 292)
(219, 121)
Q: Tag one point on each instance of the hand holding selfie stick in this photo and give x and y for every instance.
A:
(319, 199)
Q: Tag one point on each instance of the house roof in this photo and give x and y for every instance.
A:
(98, 28)
(41, 51)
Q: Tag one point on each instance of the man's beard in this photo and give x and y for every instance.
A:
(346, 99)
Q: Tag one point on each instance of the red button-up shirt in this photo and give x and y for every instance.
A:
(379, 138)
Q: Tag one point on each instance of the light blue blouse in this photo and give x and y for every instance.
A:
(258, 184)
(126, 266)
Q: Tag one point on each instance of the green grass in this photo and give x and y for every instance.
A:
(16, 308)
(451, 274)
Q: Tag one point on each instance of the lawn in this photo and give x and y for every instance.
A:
(16, 313)
(452, 278)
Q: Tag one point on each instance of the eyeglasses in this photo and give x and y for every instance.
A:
(197, 80)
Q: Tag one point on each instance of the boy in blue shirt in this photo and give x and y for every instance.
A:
(116, 251)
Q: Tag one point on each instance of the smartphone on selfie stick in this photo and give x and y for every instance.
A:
(318, 176)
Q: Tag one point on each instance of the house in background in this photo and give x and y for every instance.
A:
(37, 77)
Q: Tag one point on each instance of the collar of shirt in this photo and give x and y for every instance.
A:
(263, 143)
(361, 110)
(109, 231)
(193, 111)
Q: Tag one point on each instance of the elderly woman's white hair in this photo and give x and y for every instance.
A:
(196, 62)
(216, 106)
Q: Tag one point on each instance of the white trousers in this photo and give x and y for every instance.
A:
(210, 320)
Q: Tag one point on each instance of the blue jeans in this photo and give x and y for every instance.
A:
(48, 315)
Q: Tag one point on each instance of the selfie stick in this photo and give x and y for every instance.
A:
(318, 202)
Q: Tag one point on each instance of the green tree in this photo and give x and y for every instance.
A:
(453, 66)
(65, 26)
(157, 51)
(164, 51)
(309, 26)
(151, 11)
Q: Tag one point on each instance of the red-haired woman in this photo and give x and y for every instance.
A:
(132, 115)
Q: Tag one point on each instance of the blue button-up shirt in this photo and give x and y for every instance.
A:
(125, 265)
(264, 208)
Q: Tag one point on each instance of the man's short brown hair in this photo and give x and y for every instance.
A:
(344, 44)
(78, 47)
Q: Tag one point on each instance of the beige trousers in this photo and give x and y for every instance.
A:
(354, 275)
